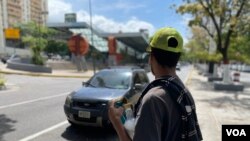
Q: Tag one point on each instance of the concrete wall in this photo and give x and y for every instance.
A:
(23, 65)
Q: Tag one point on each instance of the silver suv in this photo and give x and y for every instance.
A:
(89, 105)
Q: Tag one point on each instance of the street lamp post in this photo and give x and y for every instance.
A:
(41, 23)
(37, 50)
(92, 40)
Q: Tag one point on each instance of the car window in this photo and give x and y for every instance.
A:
(140, 78)
(143, 77)
(137, 79)
(112, 79)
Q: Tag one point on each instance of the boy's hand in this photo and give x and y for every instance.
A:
(115, 113)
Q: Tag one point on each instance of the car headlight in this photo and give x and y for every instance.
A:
(68, 100)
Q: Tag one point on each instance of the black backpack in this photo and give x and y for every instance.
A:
(182, 97)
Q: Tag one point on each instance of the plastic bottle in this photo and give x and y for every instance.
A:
(120, 103)
(127, 118)
(130, 122)
(128, 113)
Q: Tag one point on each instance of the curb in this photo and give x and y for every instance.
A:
(43, 75)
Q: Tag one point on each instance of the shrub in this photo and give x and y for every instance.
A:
(2, 81)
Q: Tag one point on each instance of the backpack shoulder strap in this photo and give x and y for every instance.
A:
(155, 83)
(173, 87)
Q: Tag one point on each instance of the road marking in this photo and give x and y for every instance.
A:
(44, 131)
(35, 100)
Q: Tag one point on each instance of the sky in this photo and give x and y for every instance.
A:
(122, 15)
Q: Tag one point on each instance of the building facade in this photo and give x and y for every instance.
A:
(18, 11)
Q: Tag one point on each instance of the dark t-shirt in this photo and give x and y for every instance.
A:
(158, 118)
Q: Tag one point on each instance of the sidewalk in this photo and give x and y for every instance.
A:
(55, 73)
(216, 108)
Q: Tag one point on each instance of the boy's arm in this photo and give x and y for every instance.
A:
(115, 118)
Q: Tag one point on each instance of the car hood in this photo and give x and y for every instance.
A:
(91, 93)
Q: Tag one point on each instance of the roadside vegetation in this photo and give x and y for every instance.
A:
(220, 30)
(2, 82)
(35, 36)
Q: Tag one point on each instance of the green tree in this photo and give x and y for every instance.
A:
(220, 18)
(240, 49)
(240, 41)
(35, 37)
(57, 47)
(198, 47)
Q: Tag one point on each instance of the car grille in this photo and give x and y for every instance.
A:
(89, 105)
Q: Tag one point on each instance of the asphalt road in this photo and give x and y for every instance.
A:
(32, 109)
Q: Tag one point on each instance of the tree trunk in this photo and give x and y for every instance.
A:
(226, 69)
(211, 67)
(215, 71)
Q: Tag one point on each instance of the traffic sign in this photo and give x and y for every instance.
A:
(12, 33)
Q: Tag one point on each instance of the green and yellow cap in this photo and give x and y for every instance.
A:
(166, 39)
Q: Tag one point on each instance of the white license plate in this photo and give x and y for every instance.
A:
(84, 114)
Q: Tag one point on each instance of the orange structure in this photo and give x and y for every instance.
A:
(112, 45)
(78, 45)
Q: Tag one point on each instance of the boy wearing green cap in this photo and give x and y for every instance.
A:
(166, 109)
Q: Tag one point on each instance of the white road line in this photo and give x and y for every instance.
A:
(34, 100)
(44, 131)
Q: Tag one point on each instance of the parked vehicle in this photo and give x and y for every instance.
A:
(89, 105)
(245, 68)
(4, 59)
(178, 66)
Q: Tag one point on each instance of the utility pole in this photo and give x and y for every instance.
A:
(92, 40)
(41, 20)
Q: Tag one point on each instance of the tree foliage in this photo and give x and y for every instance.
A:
(199, 47)
(221, 19)
(57, 47)
(240, 49)
(35, 37)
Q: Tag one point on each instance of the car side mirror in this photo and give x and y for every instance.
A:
(138, 86)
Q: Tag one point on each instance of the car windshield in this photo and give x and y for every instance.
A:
(111, 79)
